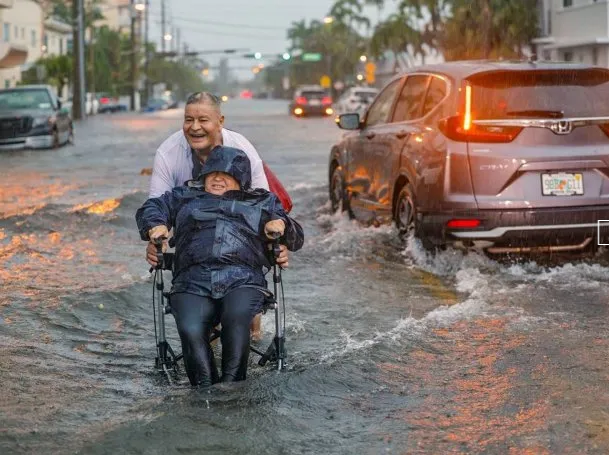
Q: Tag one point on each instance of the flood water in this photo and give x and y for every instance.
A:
(390, 349)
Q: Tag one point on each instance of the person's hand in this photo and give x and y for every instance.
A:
(274, 227)
(158, 232)
(151, 252)
(282, 259)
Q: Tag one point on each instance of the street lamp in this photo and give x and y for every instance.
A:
(363, 58)
(328, 19)
(140, 5)
(167, 37)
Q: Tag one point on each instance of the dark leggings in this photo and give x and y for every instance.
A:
(196, 316)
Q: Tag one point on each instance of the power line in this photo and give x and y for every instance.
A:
(238, 35)
(224, 24)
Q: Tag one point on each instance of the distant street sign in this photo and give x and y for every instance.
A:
(311, 57)
(325, 81)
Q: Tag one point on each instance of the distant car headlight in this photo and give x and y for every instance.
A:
(40, 121)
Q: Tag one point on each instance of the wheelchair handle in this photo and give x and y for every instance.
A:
(158, 243)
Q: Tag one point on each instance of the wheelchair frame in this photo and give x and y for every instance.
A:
(166, 360)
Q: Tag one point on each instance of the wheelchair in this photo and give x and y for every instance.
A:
(166, 361)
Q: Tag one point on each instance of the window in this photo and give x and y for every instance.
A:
(16, 31)
(568, 56)
(410, 102)
(549, 22)
(567, 3)
(379, 111)
(60, 46)
(6, 32)
(7, 83)
(435, 94)
(22, 32)
(33, 38)
(574, 92)
(595, 56)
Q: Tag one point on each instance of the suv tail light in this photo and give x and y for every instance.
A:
(605, 128)
(301, 100)
(326, 101)
(463, 129)
(104, 100)
(463, 224)
(455, 128)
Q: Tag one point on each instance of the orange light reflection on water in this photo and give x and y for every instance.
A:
(470, 392)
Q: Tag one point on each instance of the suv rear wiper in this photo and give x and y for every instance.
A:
(537, 113)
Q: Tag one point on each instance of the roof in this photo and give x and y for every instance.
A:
(465, 68)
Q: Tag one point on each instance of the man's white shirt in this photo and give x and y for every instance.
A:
(173, 162)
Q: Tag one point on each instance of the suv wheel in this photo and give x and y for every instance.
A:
(338, 196)
(405, 212)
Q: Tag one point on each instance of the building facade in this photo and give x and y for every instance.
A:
(574, 30)
(20, 37)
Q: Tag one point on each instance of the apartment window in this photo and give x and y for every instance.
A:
(6, 32)
(568, 56)
(7, 83)
(16, 31)
(594, 56)
(567, 3)
(22, 32)
(60, 46)
(33, 38)
(549, 22)
(45, 40)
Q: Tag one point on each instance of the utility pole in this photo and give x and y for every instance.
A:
(163, 25)
(133, 55)
(78, 95)
(146, 54)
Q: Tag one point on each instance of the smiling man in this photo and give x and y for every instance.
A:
(175, 161)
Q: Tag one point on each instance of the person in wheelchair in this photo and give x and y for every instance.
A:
(221, 231)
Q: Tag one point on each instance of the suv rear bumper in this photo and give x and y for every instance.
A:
(522, 228)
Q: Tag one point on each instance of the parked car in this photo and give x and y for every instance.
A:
(109, 103)
(355, 99)
(156, 104)
(503, 156)
(31, 116)
(311, 100)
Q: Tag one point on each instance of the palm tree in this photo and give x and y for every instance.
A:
(398, 36)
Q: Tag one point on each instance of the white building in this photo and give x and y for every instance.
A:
(20, 38)
(55, 38)
(574, 30)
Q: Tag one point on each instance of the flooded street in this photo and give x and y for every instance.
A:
(390, 349)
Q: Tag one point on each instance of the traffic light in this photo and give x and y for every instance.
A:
(370, 72)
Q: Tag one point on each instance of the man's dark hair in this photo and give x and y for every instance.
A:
(205, 98)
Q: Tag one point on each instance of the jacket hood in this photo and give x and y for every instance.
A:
(231, 161)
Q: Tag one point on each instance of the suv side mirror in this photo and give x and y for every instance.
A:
(349, 121)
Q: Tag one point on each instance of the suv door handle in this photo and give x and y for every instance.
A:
(370, 135)
(401, 134)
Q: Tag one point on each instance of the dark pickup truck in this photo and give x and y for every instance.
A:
(31, 116)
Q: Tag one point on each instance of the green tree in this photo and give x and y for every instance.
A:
(55, 71)
(488, 29)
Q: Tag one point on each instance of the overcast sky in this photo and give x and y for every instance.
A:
(257, 25)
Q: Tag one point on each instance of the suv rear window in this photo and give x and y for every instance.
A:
(540, 93)
(368, 96)
(311, 95)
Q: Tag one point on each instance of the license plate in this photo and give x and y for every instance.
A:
(562, 184)
(315, 103)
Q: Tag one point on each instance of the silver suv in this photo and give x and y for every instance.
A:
(504, 156)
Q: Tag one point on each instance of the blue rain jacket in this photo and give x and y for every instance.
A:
(220, 242)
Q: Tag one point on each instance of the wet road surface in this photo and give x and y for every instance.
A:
(391, 350)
